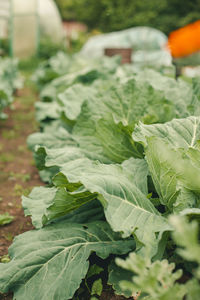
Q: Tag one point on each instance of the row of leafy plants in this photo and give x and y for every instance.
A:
(119, 151)
(10, 81)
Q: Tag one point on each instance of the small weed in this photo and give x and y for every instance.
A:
(32, 162)
(9, 236)
(19, 190)
(27, 191)
(5, 219)
(9, 134)
(25, 177)
(19, 176)
(5, 259)
(19, 206)
(22, 148)
(7, 157)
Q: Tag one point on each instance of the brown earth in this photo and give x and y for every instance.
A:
(18, 174)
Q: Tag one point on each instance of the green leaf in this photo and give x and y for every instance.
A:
(54, 136)
(179, 133)
(45, 204)
(119, 109)
(94, 270)
(46, 110)
(116, 274)
(186, 235)
(5, 219)
(72, 99)
(172, 153)
(193, 288)
(97, 287)
(127, 209)
(155, 279)
(53, 261)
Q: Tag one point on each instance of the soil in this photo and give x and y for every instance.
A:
(18, 174)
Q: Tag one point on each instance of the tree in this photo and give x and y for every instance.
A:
(108, 15)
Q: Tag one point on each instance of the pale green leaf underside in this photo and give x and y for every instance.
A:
(179, 133)
(172, 153)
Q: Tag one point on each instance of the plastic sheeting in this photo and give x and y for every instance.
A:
(148, 45)
(24, 27)
(25, 22)
(50, 20)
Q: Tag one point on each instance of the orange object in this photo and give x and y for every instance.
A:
(185, 41)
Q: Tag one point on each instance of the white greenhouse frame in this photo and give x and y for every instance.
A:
(24, 41)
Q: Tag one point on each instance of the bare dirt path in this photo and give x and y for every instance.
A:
(18, 174)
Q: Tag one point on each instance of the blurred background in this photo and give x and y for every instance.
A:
(42, 27)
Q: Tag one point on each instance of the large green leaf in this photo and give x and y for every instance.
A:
(47, 110)
(127, 208)
(45, 204)
(184, 95)
(115, 276)
(50, 263)
(54, 136)
(72, 99)
(179, 133)
(172, 153)
(106, 132)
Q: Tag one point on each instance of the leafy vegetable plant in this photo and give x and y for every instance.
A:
(120, 152)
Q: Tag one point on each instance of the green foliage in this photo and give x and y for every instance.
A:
(9, 82)
(55, 252)
(186, 236)
(4, 259)
(106, 15)
(97, 287)
(158, 279)
(120, 150)
(94, 270)
(116, 274)
(5, 219)
(47, 48)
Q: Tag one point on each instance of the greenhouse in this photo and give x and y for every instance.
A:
(23, 24)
